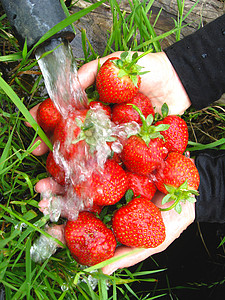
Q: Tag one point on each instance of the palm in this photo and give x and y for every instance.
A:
(161, 84)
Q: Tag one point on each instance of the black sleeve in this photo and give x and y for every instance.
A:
(210, 205)
(199, 60)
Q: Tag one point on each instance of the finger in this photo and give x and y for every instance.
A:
(48, 184)
(33, 112)
(175, 224)
(40, 149)
(88, 72)
(132, 257)
(57, 231)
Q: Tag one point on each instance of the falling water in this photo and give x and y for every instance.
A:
(59, 70)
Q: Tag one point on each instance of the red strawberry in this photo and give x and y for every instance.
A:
(178, 177)
(142, 158)
(175, 170)
(66, 133)
(144, 152)
(105, 187)
(118, 79)
(139, 224)
(95, 208)
(54, 169)
(123, 113)
(105, 107)
(48, 116)
(176, 135)
(89, 240)
(141, 185)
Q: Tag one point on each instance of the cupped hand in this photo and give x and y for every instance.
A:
(161, 82)
(175, 224)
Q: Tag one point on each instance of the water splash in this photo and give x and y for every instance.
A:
(59, 70)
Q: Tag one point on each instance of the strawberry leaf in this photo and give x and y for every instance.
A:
(135, 56)
(166, 199)
(122, 73)
(178, 208)
(129, 195)
(149, 119)
(164, 110)
(191, 199)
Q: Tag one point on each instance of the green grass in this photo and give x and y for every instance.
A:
(22, 87)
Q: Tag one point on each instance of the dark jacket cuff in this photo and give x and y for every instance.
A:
(210, 205)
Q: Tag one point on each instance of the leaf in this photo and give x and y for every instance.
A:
(164, 110)
(129, 195)
(149, 119)
(191, 199)
(178, 208)
(166, 199)
(162, 127)
(124, 55)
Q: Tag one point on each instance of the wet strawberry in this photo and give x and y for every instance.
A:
(123, 113)
(48, 116)
(105, 187)
(139, 224)
(54, 169)
(66, 134)
(178, 177)
(89, 240)
(141, 185)
(176, 136)
(118, 79)
(106, 108)
(144, 152)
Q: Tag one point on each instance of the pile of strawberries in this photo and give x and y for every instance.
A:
(118, 145)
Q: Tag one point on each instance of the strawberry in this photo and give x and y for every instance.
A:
(105, 187)
(178, 177)
(118, 79)
(141, 185)
(176, 136)
(139, 224)
(89, 240)
(66, 133)
(123, 113)
(106, 108)
(54, 169)
(48, 116)
(144, 152)
(94, 208)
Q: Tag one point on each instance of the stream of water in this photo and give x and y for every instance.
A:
(59, 70)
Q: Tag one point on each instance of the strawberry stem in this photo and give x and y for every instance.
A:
(135, 59)
(180, 194)
(149, 131)
(171, 206)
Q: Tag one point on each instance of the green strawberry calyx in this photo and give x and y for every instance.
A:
(148, 131)
(178, 195)
(127, 65)
(96, 130)
(164, 113)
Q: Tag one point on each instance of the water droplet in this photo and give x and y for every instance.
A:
(204, 55)
(223, 31)
(64, 287)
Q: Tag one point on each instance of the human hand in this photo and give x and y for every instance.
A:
(175, 224)
(161, 83)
